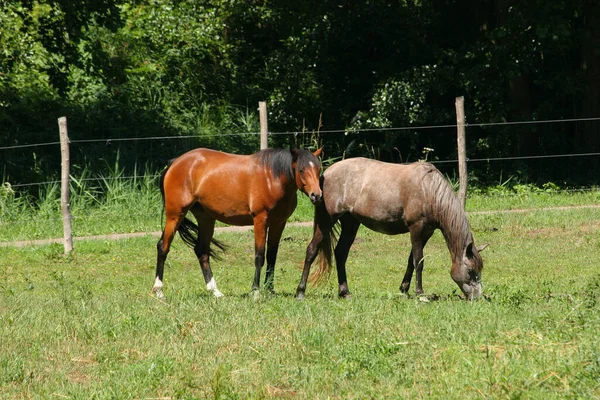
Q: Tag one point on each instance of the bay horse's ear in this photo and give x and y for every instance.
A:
(318, 152)
(294, 154)
(482, 247)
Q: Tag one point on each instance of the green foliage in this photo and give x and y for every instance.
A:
(25, 62)
(164, 68)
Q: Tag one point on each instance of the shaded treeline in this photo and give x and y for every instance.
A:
(124, 69)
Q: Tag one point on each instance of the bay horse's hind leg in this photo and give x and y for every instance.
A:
(163, 246)
(350, 227)
(206, 229)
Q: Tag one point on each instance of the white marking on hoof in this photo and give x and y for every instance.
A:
(255, 295)
(157, 289)
(212, 287)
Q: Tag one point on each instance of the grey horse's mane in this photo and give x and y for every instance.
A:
(447, 210)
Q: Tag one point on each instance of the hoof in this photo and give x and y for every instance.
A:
(269, 288)
(299, 296)
(158, 293)
(255, 295)
(157, 289)
(218, 294)
(346, 296)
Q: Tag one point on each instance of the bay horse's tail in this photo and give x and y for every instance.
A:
(329, 232)
(187, 229)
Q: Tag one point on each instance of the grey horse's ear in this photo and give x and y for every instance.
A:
(469, 250)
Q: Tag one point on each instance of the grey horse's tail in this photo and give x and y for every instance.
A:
(329, 231)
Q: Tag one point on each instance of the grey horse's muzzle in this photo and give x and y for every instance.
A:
(472, 290)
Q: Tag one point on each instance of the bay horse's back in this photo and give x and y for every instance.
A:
(215, 180)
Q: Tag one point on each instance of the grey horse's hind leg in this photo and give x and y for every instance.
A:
(350, 227)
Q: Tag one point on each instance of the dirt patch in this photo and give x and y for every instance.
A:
(119, 236)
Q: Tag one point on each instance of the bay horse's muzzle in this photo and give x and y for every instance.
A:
(316, 197)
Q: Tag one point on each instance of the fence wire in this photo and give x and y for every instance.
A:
(469, 160)
(325, 131)
(108, 141)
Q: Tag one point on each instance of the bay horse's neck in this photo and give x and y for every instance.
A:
(288, 185)
(278, 166)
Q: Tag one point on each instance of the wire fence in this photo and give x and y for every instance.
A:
(109, 141)
(325, 131)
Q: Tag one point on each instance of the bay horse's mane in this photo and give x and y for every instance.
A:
(279, 161)
(447, 210)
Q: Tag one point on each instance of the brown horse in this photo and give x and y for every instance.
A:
(258, 190)
(391, 199)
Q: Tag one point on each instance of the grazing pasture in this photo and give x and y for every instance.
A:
(86, 325)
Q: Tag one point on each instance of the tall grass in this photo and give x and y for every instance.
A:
(112, 202)
(117, 201)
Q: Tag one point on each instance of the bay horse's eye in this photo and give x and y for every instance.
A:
(301, 171)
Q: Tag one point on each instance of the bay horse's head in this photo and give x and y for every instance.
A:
(307, 173)
(466, 271)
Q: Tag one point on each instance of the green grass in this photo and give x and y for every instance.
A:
(119, 202)
(86, 326)
(118, 205)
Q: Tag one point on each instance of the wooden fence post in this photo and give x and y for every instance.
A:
(64, 201)
(462, 152)
(264, 126)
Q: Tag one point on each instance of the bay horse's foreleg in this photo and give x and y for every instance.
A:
(260, 239)
(349, 229)
(273, 239)
(206, 229)
(311, 253)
